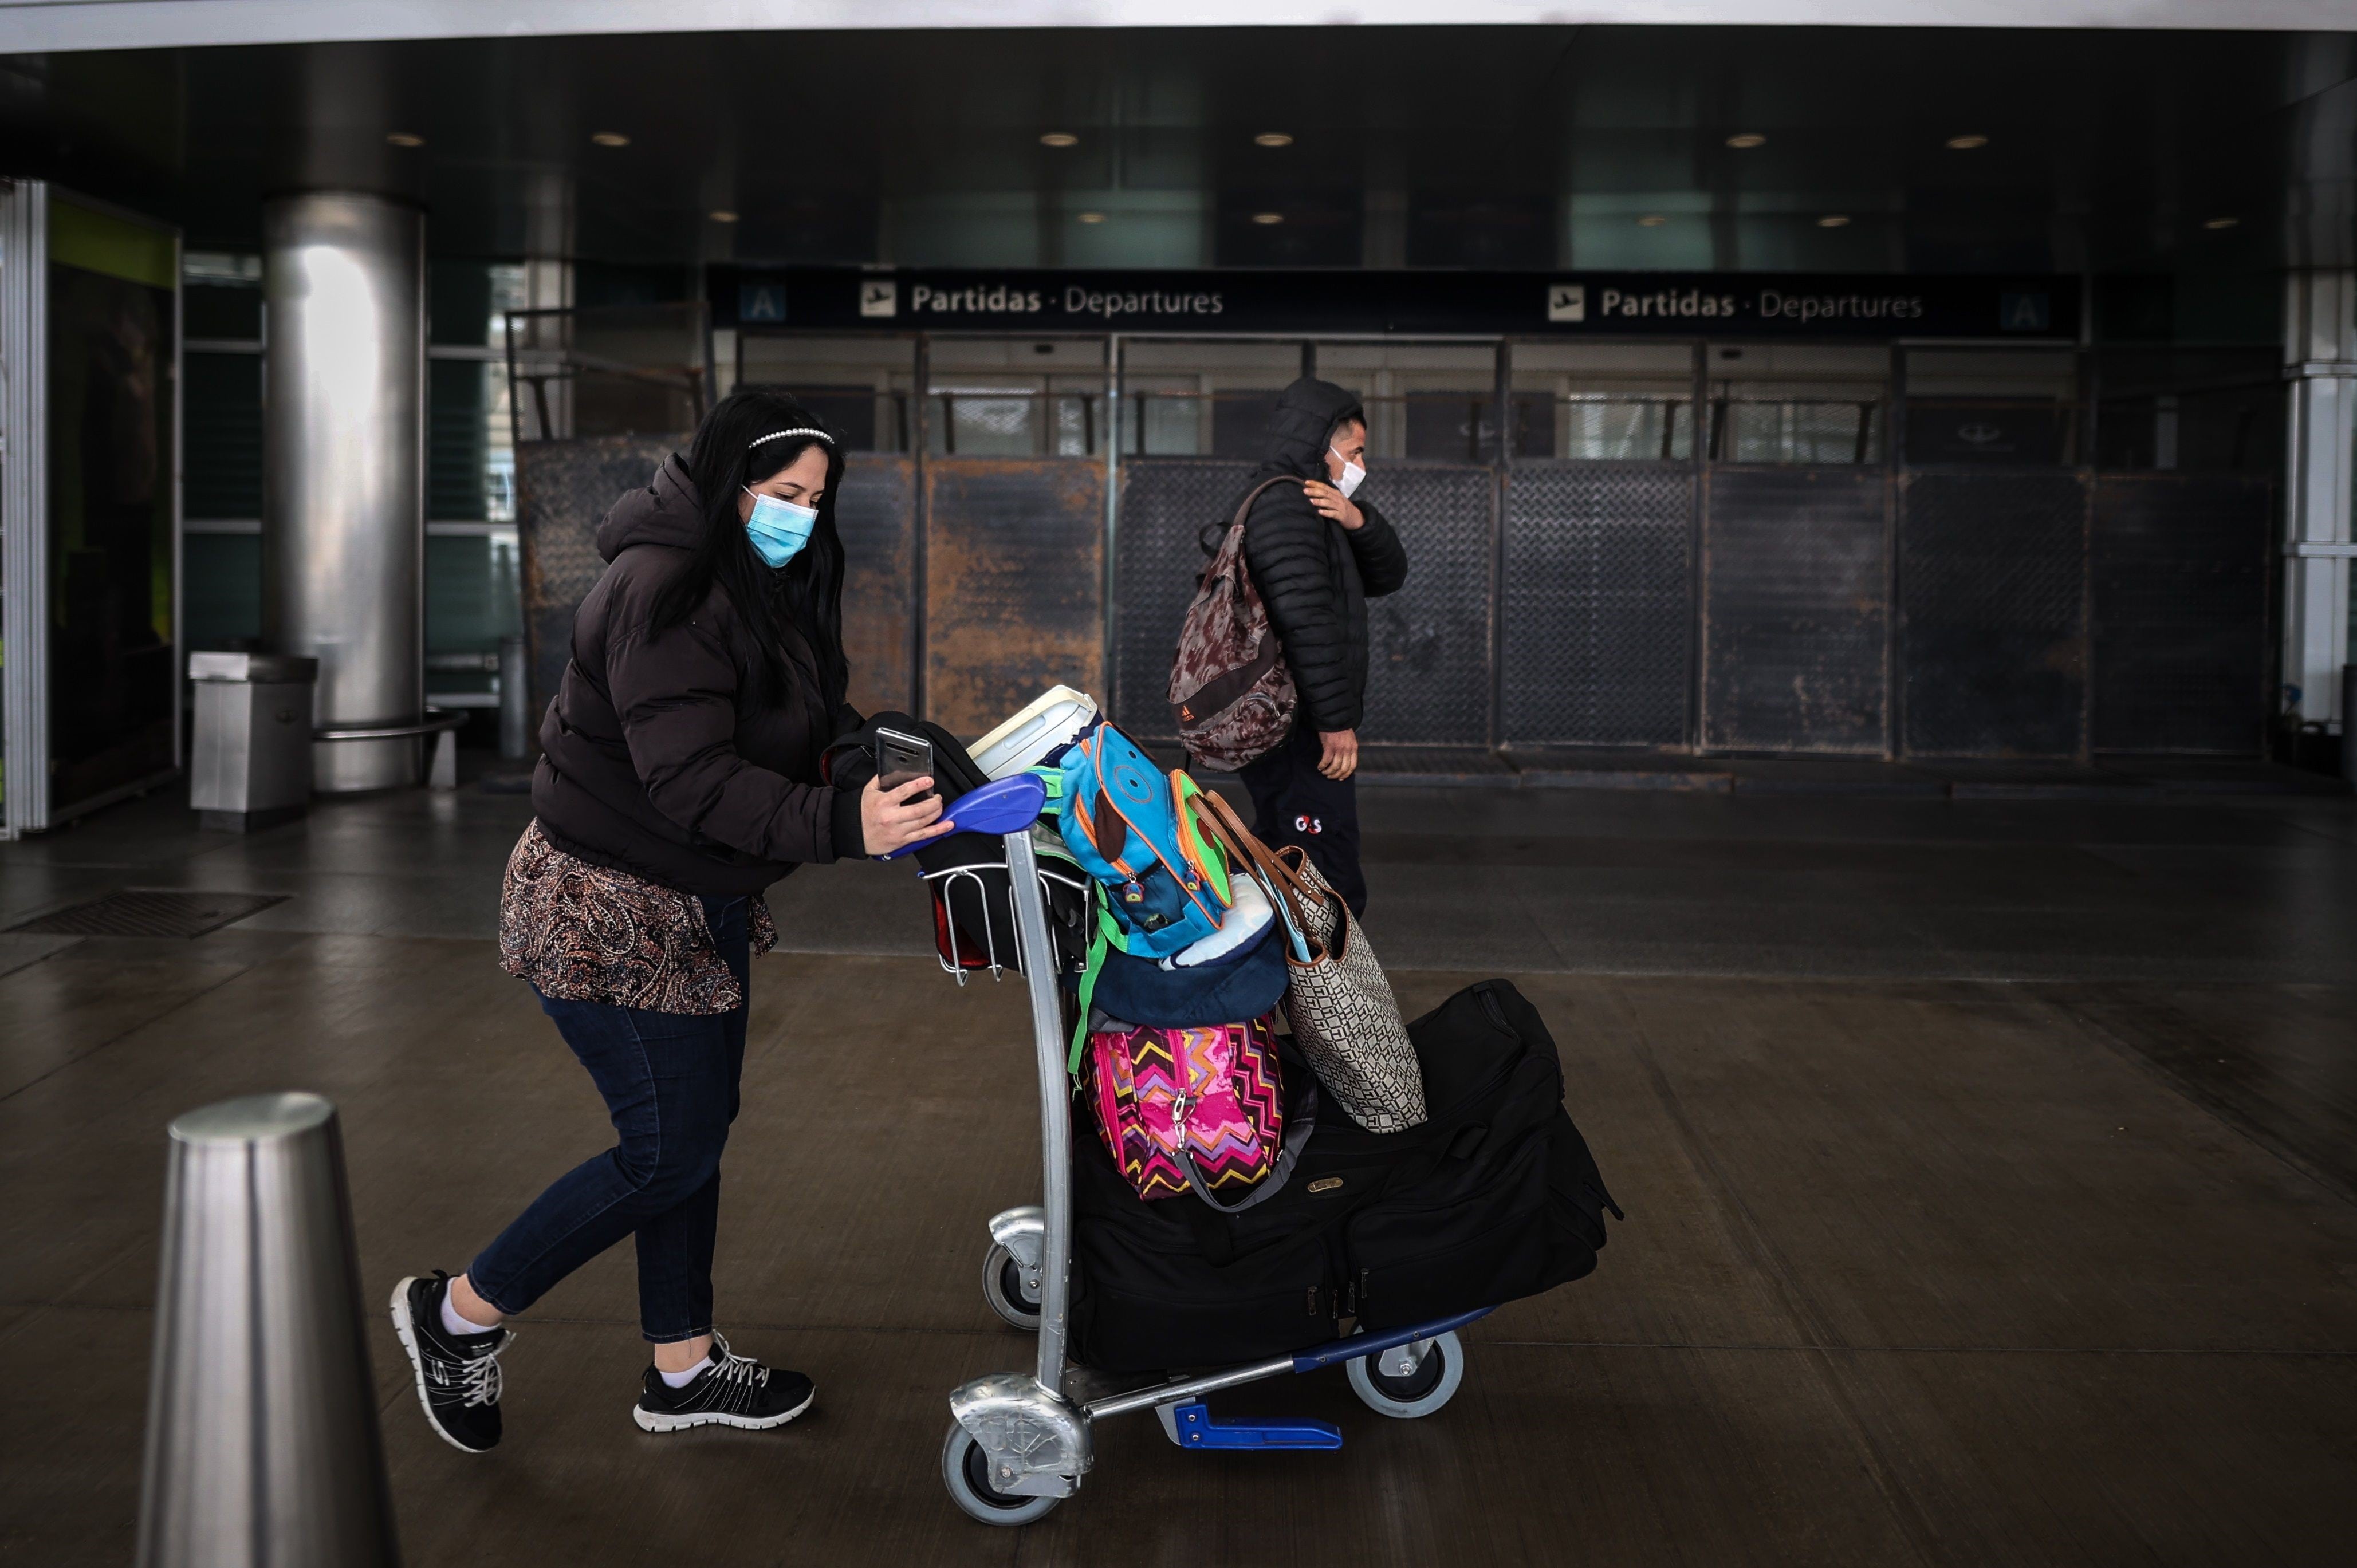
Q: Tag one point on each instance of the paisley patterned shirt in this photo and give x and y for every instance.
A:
(583, 933)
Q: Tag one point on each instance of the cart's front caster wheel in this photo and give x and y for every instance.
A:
(1003, 1287)
(1431, 1385)
(965, 1470)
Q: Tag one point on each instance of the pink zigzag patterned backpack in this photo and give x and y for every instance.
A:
(1197, 1110)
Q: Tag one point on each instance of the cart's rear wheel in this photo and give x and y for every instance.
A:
(1003, 1287)
(965, 1470)
(1433, 1383)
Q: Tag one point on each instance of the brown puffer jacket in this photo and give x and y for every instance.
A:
(656, 757)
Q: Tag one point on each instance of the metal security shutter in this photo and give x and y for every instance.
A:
(564, 488)
(1992, 575)
(875, 515)
(1598, 612)
(2179, 566)
(1428, 645)
(1795, 601)
(1014, 584)
(1167, 505)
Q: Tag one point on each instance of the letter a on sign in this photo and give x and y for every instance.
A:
(763, 302)
(2023, 312)
(880, 296)
(1567, 302)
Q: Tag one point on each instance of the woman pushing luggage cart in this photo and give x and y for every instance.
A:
(1021, 1441)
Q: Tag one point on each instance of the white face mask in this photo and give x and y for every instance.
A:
(1353, 476)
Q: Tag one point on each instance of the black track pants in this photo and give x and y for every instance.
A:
(1295, 803)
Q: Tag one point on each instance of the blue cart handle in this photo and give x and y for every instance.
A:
(1359, 1345)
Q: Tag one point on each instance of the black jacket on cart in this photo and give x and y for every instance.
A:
(1494, 1198)
(1314, 575)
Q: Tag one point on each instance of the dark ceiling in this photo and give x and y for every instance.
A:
(1485, 147)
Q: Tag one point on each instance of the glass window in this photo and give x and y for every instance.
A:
(993, 397)
(220, 416)
(1194, 397)
(1798, 403)
(1999, 406)
(1626, 403)
(860, 386)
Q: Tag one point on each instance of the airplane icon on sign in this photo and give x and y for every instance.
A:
(880, 296)
(1567, 302)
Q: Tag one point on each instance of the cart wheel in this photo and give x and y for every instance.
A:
(1430, 1386)
(1003, 1287)
(965, 1470)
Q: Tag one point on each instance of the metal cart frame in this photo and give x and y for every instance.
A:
(1019, 1442)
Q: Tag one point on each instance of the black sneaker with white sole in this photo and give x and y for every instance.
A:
(731, 1390)
(458, 1374)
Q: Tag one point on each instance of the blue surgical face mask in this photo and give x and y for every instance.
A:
(779, 529)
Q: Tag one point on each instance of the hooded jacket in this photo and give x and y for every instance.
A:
(657, 756)
(1314, 575)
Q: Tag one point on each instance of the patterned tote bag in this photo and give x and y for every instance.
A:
(1339, 1000)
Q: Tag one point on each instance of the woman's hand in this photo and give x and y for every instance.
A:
(889, 820)
(1331, 502)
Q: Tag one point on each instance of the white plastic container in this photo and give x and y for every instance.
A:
(1049, 723)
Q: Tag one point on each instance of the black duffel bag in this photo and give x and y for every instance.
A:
(1513, 1205)
(1495, 1198)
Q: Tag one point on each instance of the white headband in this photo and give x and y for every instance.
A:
(782, 435)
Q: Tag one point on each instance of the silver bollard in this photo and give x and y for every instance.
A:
(263, 1445)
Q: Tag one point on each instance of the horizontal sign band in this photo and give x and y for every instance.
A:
(1570, 304)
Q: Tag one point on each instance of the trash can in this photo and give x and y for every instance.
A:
(250, 763)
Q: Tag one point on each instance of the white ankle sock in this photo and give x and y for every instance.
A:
(681, 1380)
(452, 1323)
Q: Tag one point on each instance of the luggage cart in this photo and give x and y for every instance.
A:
(1019, 1442)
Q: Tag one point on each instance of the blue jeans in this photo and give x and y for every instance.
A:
(670, 1083)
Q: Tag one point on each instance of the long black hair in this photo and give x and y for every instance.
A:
(807, 590)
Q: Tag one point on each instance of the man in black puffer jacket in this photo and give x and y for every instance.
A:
(1318, 554)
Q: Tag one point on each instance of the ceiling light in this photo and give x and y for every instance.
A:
(1651, 220)
(1091, 217)
(724, 216)
(1267, 218)
(1746, 139)
(1273, 139)
(1060, 139)
(610, 139)
(404, 138)
(1965, 143)
(2222, 223)
(1833, 220)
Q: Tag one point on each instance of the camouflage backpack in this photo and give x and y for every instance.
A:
(1230, 690)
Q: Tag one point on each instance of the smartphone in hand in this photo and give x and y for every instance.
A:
(901, 758)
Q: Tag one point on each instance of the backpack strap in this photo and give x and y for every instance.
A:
(1179, 873)
(1244, 511)
(1287, 891)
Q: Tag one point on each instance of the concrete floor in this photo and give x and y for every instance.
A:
(1991, 1184)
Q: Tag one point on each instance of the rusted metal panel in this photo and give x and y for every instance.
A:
(1014, 584)
(1598, 604)
(1795, 610)
(2179, 570)
(875, 515)
(1168, 506)
(564, 489)
(1993, 629)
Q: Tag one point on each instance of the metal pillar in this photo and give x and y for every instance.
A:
(2320, 364)
(263, 1445)
(344, 469)
(24, 505)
